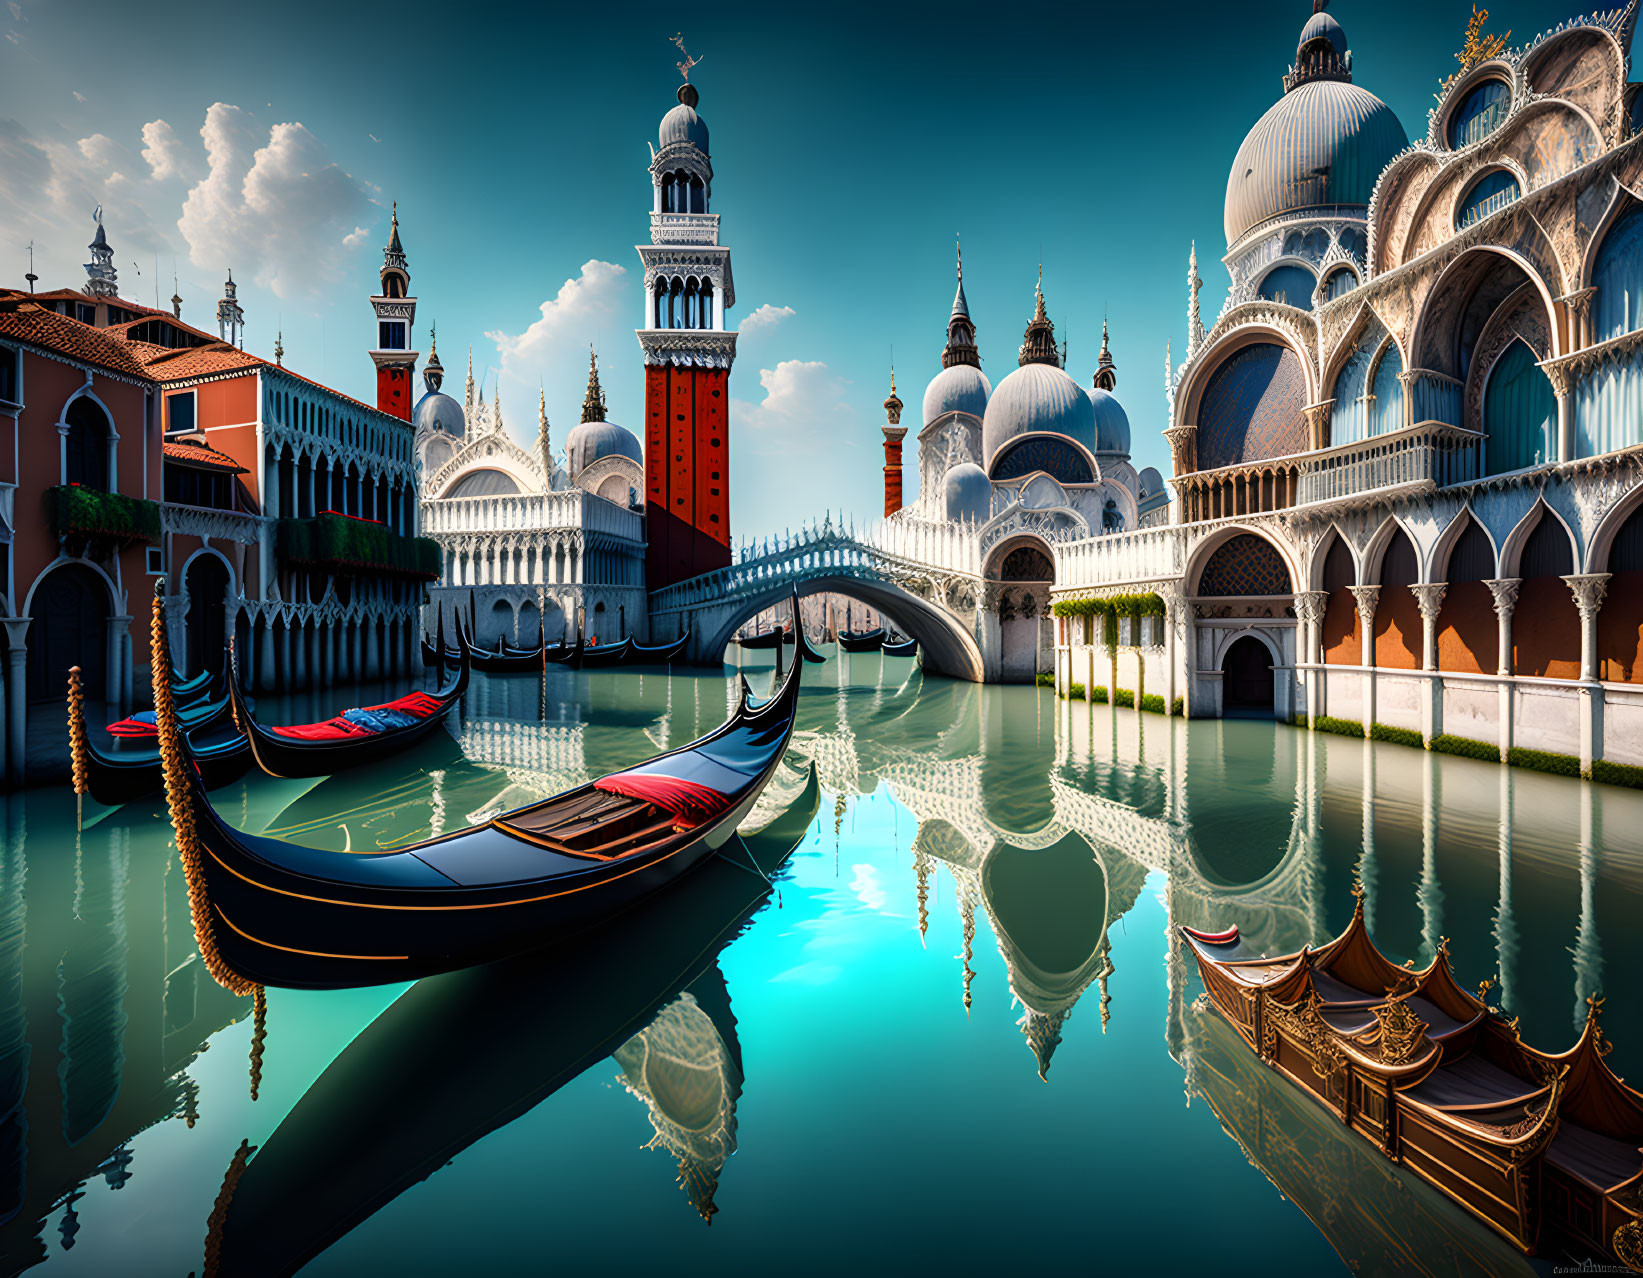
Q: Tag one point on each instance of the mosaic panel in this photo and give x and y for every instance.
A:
(1251, 410)
(1245, 565)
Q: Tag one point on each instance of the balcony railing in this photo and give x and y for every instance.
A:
(1432, 454)
(573, 509)
(206, 521)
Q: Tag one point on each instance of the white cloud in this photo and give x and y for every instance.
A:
(166, 155)
(553, 351)
(78, 96)
(764, 319)
(282, 213)
(798, 395)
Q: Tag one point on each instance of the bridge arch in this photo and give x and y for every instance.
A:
(948, 648)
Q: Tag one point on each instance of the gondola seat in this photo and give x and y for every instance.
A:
(366, 721)
(1603, 1162)
(1472, 1082)
(1336, 991)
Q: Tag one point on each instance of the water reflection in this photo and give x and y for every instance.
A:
(1062, 838)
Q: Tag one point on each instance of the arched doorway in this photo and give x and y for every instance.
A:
(206, 584)
(69, 628)
(1246, 679)
(1024, 573)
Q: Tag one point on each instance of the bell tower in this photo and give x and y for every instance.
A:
(688, 354)
(396, 313)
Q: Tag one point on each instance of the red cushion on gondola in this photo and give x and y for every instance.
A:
(417, 704)
(133, 728)
(690, 802)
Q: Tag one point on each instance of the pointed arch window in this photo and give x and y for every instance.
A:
(1618, 276)
(1519, 412)
(1489, 194)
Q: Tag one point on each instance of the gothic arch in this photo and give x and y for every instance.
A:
(1621, 202)
(1320, 554)
(1370, 563)
(1436, 567)
(1238, 338)
(1511, 548)
(1458, 282)
(1601, 546)
(1201, 554)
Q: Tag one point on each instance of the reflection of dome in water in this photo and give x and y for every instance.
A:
(1052, 903)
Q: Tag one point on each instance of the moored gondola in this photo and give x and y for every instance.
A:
(220, 751)
(509, 660)
(772, 638)
(806, 649)
(278, 913)
(1440, 1082)
(906, 648)
(354, 738)
(862, 641)
(659, 654)
(604, 655)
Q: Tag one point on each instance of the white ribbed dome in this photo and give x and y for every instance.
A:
(967, 494)
(682, 124)
(963, 388)
(438, 409)
(1037, 399)
(590, 441)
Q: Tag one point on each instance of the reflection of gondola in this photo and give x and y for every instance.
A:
(1442, 1083)
(598, 656)
(428, 1078)
(906, 648)
(113, 779)
(283, 914)
(314, 750)
(863, 641)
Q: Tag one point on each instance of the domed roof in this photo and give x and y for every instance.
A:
(967, 494)
(963, 388)
(438, 409)
(1112, 423)
(1322, 26)
(682, 124)
(1323, 143)
(590, 441)
(1035, 399)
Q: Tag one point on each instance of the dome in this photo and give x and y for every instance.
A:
(1322, 26)
(590, 441)
(438, 409)
(962, 388)
(1037, 399)
(1323, 143)
(1112, 423)
(682, 124)
(967, 494)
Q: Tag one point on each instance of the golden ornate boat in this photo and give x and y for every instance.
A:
(1532, 1144)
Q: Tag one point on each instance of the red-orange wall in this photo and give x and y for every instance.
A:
(1342, 642)
(1397, 629)
(687, 472)
(1468, 630)
(1620, 630)
(1546, 630)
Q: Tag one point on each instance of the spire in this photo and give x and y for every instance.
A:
(102, 280)
(544, 446)
(1195, 323)
(961, 332)
(433, 376)
(279, 347)
(394, 249)
(1106, 372)
(593, 403)
(893, 405)
(176, 297)
(230, 317)
(468, 404)
(1038, 342)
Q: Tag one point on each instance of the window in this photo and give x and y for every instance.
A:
(1479, 113)
(179, 413)
(85, 312)
(155, 561)
(1339, 284)
(10, 375)
(1618, 276)
(1289, 284)
(87, 447)
(1489, 194)
(186, 486)
(391, 335)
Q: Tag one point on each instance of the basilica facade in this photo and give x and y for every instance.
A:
(1407, 453)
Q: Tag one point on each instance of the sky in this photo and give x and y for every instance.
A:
(850, 144)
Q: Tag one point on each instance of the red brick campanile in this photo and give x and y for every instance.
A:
(688, 354)
(894, 432)
(396, 313)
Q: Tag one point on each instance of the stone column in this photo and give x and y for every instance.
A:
(17, 698)
(119, 701)
(1588, 590)
(1505, 590)
(1367, 597)
(1429, 599)
(1309, 611)
(1562, 379)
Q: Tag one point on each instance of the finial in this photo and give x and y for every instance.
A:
(689, 62)
(593, 403)
(279, 347)
(959, 244)
(433, 341)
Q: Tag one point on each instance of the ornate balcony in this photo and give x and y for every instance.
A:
(684, 228)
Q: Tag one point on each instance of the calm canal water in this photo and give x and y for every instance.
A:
(960, 1040)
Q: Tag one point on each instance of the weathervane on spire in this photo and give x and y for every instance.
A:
(689, 62)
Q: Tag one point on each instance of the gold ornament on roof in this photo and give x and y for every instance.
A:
(689, 62)
(1479, 47)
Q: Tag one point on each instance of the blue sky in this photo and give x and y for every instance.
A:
(849, 145)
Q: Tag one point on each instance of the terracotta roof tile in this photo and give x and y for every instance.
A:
(201, 456)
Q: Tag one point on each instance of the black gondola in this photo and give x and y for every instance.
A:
(906, 648)
(119, 777)
(424, 1082)
(660, 654)
(282, 914)
(283, 755)
(509, 660)
(599, 656)
(806, 649)
(772, 638)
(864, 641)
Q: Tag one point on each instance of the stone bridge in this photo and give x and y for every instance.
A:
(926, 578)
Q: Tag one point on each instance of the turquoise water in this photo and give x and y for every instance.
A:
(957, 1040)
